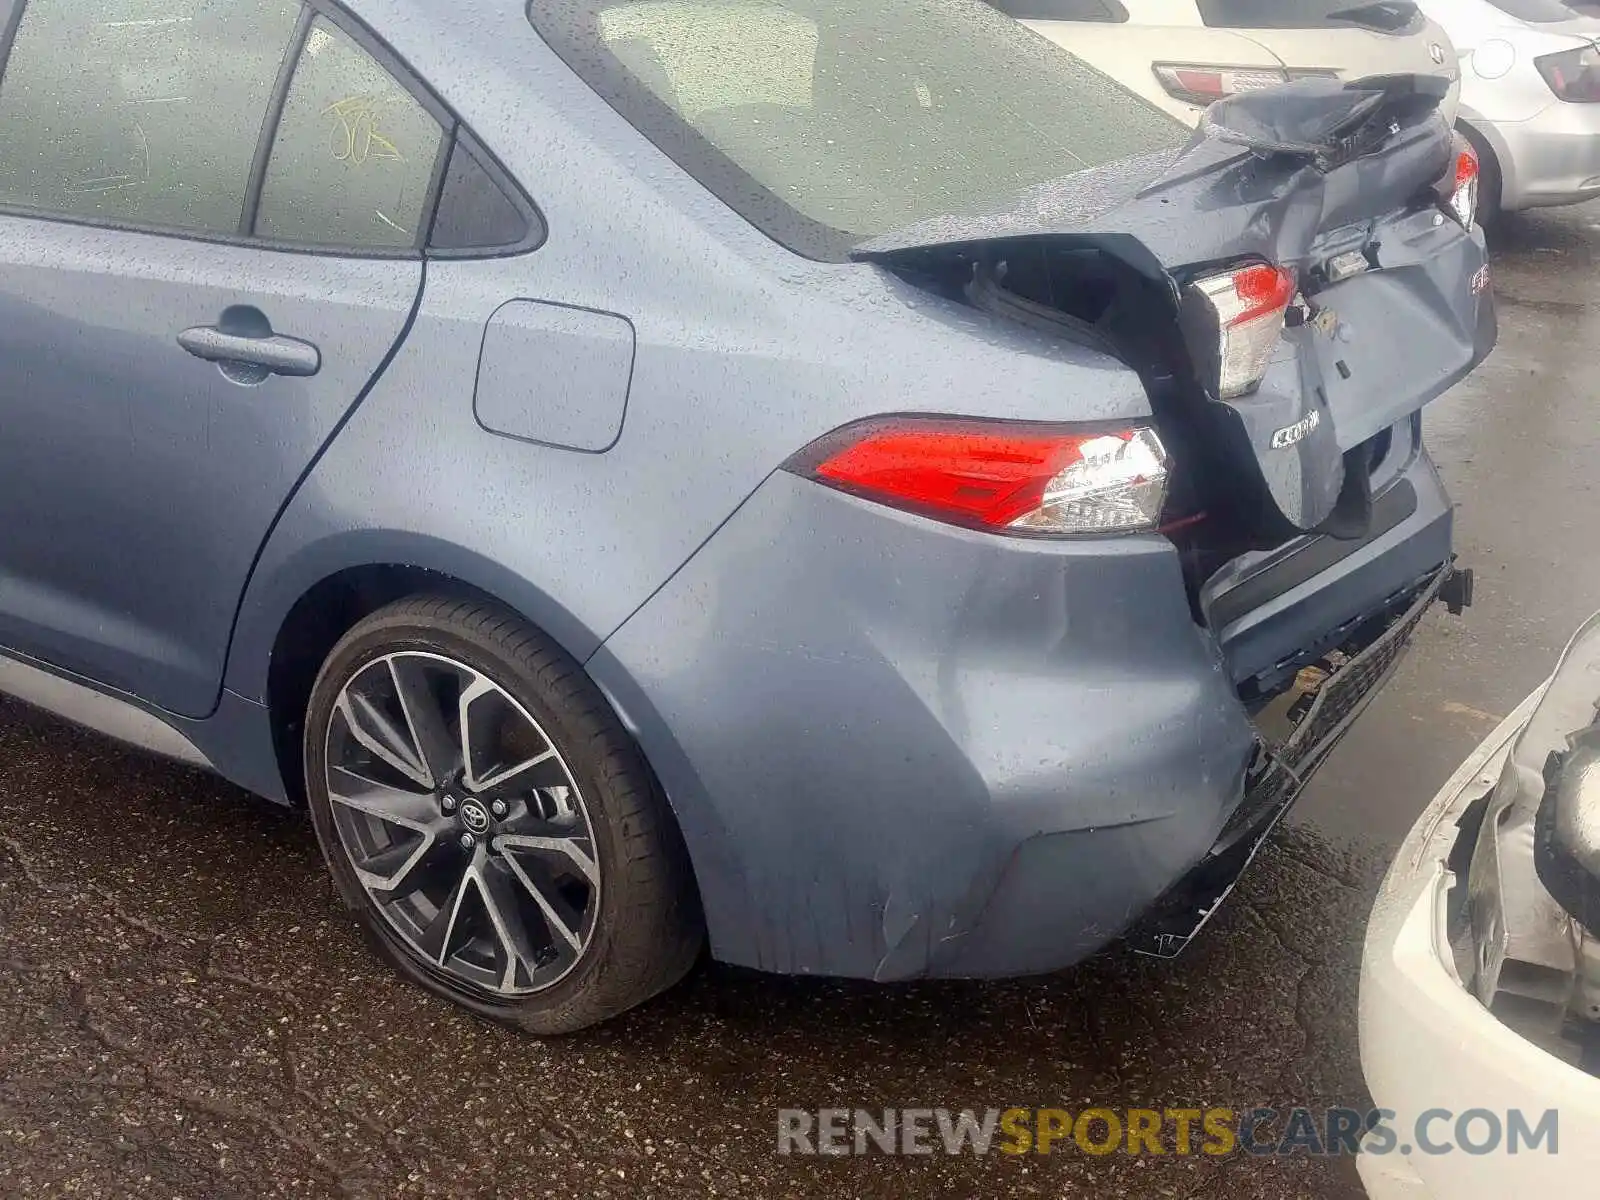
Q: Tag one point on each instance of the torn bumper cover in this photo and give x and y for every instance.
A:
(1282, 767)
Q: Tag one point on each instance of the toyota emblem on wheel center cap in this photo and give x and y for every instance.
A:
(475, 817)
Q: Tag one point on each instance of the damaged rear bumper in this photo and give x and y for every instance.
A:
(898, 749)
(1283, 767)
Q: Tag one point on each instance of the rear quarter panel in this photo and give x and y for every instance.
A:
(745, 354)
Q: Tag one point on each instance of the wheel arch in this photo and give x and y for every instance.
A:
(291, 622)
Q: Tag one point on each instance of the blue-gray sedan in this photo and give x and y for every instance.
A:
(844, 482)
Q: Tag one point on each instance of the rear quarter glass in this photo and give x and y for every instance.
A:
(825, 125)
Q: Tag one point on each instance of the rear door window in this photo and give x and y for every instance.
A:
(356, 156)
(143, 113)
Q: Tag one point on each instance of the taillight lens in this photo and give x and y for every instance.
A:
(1573, 75)
(1464, 199)
(999, 475)
(1196, 83)
(1247, 307)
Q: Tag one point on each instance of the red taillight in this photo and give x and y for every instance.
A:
(999, 475)
(1196, 83)
(1202, 84)
(990, 478)
(1464, 197)
(1244, 311)
(1263, 291)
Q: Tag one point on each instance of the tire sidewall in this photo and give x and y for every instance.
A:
(399, 634)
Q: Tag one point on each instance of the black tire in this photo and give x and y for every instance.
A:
(647, 930)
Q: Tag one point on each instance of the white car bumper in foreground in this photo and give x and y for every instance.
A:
(1429, 1048)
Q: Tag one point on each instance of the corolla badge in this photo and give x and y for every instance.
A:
(1437, 51)
(1293, 435)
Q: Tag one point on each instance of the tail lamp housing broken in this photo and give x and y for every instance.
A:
(1236, 318)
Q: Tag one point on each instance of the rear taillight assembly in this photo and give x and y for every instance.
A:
(1244, 311)
(1464, 197)
(1573, 75)
(999, 475)
(1195, 83)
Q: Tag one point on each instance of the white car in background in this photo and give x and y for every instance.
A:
(1530, 97)
(1183, 55)
(1480, 981)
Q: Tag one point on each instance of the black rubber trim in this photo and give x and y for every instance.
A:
(1315, 556)
(269, 126)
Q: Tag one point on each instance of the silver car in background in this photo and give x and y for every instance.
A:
(1530, 98)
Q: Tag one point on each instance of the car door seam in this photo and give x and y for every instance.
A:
(344, 419)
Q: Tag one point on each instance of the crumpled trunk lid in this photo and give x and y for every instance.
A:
(1297, 177)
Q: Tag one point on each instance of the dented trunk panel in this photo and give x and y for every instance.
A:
(1291, 177)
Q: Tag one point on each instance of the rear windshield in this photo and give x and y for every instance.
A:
(1390, 15)
(826, 124)
(1539, 12)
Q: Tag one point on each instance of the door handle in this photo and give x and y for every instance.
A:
(271, 353)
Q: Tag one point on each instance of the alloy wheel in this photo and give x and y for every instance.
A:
(463, 823)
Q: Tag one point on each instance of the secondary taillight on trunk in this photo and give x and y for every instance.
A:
(999, 475)
(1573, 75)
(1195, 83)
(1245, 310)
(1464, 199)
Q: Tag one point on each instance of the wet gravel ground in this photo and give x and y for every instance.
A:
(184, 1010)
